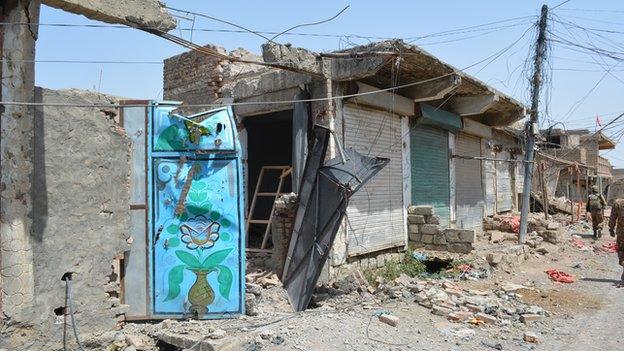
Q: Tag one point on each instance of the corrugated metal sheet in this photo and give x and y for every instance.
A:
(375, 213)
(489, 183)
(504, 193)
(469, 184)
(430, 170)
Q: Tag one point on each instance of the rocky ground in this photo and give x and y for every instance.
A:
(505, 302)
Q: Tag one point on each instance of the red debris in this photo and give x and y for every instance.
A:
(464, 268)
(560, 276)
(513, 222)
(610, 247)
(578, 243)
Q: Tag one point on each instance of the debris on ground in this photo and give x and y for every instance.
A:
(560, 276)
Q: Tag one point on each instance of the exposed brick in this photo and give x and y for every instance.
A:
(389, 319)
(460, 316)
(441, 311)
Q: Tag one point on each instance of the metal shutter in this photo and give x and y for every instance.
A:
(504, 193)
(469, 186)
(430, 170)
(489, 170)
(375, 213)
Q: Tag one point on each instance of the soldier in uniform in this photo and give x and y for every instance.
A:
(595, 205)
(617, 220)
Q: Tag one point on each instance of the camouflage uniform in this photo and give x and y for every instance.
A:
(597, 211)
(617, 219)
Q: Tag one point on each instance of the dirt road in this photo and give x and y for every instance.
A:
(585, 315)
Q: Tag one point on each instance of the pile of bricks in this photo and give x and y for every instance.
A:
(425, 231)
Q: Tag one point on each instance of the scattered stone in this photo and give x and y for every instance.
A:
(218, 334)
(278, 340)
(136, 341)
(542, 250)
(251, 308)
(528, 318)
(440, 310)
(496, 346)
(494, 259)
(267, 334)
(420, 297)
(389, 319)
(486, 318)
(460, 316)
(531, 337)
(496, 236)
(464, 334)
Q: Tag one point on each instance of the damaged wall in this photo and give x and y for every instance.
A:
(196, 78)
(81, 220)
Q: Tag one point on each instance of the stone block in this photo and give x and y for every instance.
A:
(416, 219)
(553, 236)
(436, 247)
(439, 239)
(494, 259)
(389, 319)
(441, 311)
(528, 318)
(420, 210)
(433, 219)
(531, 338)
(460, 247)
(413, 229)
(427, 238)
(452, 236)
(460, 235)
(460, 316)
(415, 237)
(486, 318)
(429, 229)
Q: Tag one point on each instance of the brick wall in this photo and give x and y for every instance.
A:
(196, 78)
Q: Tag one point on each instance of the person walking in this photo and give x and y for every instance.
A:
(596, 204)
(616, 228)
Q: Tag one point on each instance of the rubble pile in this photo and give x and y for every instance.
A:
(504, 227)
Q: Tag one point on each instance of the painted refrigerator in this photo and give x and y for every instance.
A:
(195, 194)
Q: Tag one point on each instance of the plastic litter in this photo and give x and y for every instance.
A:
(419, 256)
(560, 276)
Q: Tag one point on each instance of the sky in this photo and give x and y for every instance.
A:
(581, 85)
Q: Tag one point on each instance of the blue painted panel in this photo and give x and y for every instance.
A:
(198, 248)
(212, 130)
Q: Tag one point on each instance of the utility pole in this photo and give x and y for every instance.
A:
(532, 128)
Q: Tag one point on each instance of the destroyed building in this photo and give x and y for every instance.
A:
(581, 149)
(452, 160)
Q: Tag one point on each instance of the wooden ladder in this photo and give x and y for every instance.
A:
(285, 172)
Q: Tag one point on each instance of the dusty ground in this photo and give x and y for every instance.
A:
(584, 315)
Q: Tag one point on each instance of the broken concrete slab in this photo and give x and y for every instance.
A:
(134, 13)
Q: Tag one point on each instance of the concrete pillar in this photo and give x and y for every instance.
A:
(16, 145)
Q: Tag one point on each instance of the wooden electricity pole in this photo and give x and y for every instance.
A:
(532, 128)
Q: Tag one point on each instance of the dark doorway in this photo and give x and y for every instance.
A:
(269, 143)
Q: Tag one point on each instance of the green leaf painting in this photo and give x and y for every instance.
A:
(172, 229)
(172, 138)
(176, 276)
(188, 259)
(225, 278)
(216, 258)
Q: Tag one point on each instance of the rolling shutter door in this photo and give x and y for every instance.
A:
(430, 170)
(375, 219)
(489, 169)
(504, 193)
(469, 187)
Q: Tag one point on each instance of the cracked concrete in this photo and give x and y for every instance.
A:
(134, 13)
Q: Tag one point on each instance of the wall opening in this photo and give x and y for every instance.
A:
(269, 143)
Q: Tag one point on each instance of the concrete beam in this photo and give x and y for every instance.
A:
(264, 83)
(433, 90)
(262, 107)
(472, 105)
(384, 100)
(348, 69)
(133, 13)
(297, 59)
